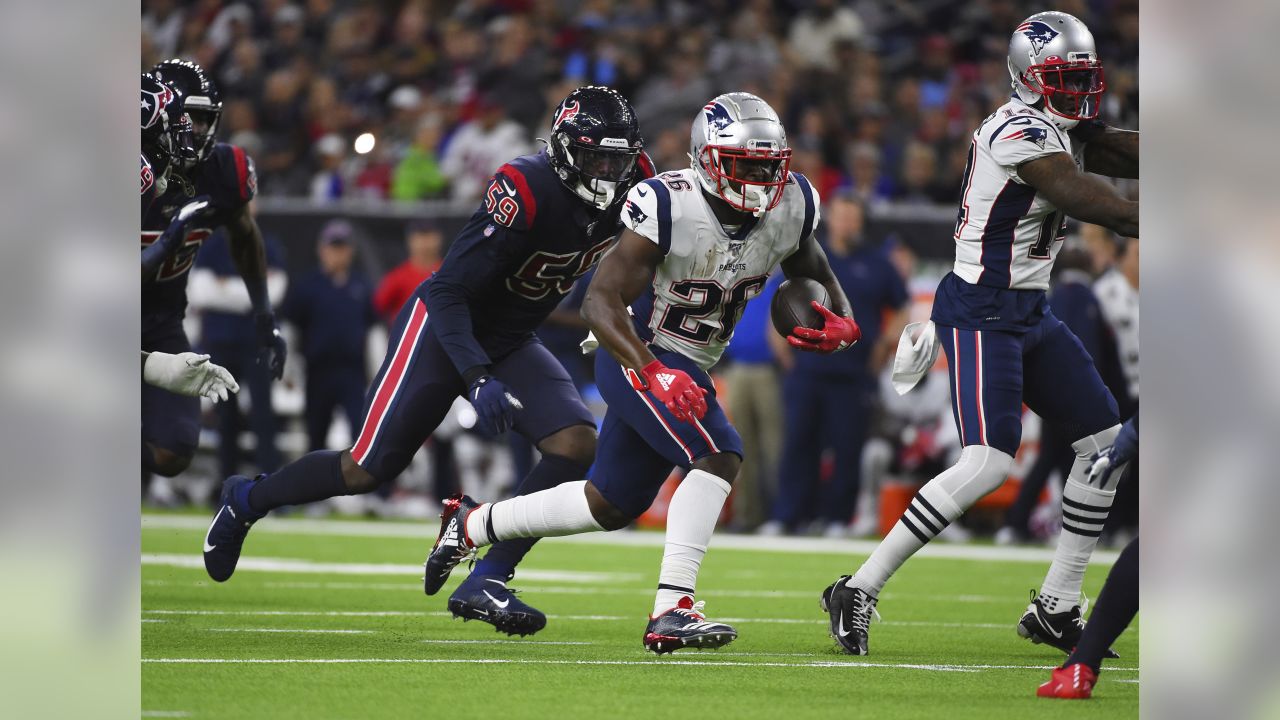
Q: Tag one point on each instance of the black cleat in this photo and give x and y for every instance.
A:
(685, 626)
(488, 599)
(226, 534)
(452, 545)
(1061, 630)
(851, 611)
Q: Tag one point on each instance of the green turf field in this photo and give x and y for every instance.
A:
(327, 619)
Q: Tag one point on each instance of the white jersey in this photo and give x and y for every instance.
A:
(702, 286)
(1119, 302)
(1006, 235)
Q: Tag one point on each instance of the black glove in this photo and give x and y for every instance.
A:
(495, 405)
(272, 346)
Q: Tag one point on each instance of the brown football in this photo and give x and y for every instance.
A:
(791, 306)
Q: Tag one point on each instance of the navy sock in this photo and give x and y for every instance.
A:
(1116, 606)
(551, 470)
(314, 476)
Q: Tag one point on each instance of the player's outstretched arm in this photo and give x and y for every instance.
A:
(1082, 196)
(1112, 152)
(621, 277)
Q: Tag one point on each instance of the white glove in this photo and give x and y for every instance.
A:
(189, 374)
(914, 358)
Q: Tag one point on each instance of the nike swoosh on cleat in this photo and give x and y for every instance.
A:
(1056, 635)
(502, 604)
(207, 546)
(841, 631)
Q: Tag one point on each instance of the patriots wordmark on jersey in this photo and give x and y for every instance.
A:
(702, 286)
(1006, 234)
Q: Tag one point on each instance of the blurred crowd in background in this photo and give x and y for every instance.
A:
(877, 95)
(418, 100)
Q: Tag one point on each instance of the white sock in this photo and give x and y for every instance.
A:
(691, 518)
(979, 470)
(561, 510)
(1084, 511)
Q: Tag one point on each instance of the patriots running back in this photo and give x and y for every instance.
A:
(222, 177)
(698, 245)
(1028, 168)
(545, 221)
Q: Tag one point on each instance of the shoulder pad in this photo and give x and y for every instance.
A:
(649, 211)
(510, 198)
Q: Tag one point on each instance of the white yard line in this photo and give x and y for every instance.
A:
(508, 642)
(629, 618)
(165, 714)
(299, 565)
(317, 631)
(656, 662)
(427, 531)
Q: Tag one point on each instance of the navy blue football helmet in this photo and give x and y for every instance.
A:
(595, 143)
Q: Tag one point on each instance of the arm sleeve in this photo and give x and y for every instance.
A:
(489, 249)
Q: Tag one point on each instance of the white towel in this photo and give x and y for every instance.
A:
(590, 344)
(914, 357)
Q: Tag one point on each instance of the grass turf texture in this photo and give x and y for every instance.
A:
(946, 648)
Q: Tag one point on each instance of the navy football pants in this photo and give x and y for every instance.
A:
(418, 383)
(993, 372)
(641, 442)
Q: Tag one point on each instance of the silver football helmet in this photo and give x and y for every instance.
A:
(738, 148)
(1052, 57)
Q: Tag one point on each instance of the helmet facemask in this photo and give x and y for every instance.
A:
(599, 170)
(748, 180)
(1071, 89)
(205, 116)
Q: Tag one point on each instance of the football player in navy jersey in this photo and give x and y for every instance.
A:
(224, 176)
(545, 221)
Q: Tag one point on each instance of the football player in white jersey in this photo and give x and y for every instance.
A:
(1028, 167)
(699, 244)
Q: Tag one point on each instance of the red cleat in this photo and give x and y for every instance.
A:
(1073, 682)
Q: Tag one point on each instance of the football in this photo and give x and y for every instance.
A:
(791, 306)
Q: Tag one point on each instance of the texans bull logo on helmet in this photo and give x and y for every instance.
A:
(1039, 33)
(153, 103)
(567, 112)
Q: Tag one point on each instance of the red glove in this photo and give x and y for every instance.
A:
(837, 334)
(673, 388)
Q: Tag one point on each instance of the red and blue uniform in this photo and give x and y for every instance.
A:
(519, 255)
(168, 420)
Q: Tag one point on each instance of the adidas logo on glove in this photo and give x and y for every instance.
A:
(665, 380)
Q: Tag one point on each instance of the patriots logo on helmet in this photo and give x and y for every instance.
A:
(1036, 135)
(718, 118)
(567, 112)
(1039, 33)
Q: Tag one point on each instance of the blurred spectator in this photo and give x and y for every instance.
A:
(815, 32)
(828, 398)
(669, 99)
(328, 183)
(753, 388)
(227, 334)
(423, 239)
(162, 26)
(332, 309)
(480, 147)
(1117, 290)
(418, 174)
(747, 54)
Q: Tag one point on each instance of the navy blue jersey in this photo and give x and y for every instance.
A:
(228, 178)
(517, 257)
